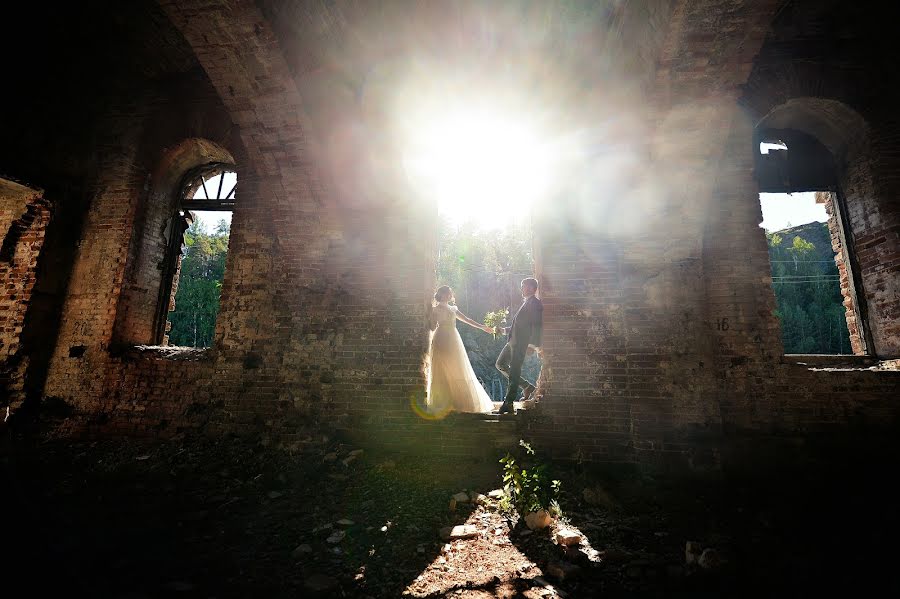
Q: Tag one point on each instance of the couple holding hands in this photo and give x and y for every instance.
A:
(452, 384)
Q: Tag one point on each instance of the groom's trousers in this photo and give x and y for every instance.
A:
(509, 363)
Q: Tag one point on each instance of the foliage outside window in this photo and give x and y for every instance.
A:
(198, 254)
(199, 285)
(807, 291)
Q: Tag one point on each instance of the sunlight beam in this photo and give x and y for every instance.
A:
(477, 163)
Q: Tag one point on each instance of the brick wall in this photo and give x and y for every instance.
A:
(842, 260)
(659, 325)
(152, 230)
(746, 335)
(875, 226)
(96, 281)
(321, 311)
(24, 216)
(829, 92)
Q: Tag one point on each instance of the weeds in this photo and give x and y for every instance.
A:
(528, 487)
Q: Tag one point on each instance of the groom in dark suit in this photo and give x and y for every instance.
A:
(523, 337)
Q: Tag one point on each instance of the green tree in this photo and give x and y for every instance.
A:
(807, 291)
(199, 285)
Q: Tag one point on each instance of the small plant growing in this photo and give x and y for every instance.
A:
(528, 487)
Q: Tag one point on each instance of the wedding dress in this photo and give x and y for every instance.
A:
(452, 384)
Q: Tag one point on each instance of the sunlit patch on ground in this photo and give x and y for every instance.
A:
(488, 561)
(491, 564)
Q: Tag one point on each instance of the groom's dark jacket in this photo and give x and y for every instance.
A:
(526, 325)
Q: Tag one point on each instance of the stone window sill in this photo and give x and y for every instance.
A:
(840, 362)
(168, 353)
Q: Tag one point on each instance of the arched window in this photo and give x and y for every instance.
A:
(195, 261)
(211, 187)
(812, 263)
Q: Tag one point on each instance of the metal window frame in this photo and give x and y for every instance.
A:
(179, 222)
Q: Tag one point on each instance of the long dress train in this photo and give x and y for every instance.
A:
(452, 384)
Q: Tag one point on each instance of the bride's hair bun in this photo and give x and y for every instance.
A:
(443, 293)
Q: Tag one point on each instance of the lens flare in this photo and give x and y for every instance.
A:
(423, 411)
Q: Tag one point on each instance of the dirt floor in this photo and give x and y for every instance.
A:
(230, 518)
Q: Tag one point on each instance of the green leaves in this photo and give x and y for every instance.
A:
(199, 286)
(807, 291)
(467, 254)
(528, 487)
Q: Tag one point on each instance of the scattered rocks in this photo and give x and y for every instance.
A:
(480, 544)
(692, 552)
(567, 537)
(709, 559)
(330, 457)
(587, 553)
(540, 581)
(336, 537)
(461, 531)
(538, 520)
(461, 497)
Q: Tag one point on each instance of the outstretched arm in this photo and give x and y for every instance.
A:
(472, 323)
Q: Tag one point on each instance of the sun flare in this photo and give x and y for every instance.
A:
(478, 165)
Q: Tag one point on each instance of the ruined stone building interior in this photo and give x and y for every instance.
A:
(672, 403)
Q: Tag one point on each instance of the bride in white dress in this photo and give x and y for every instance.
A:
(452, 384)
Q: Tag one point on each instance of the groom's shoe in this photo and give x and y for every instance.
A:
(506, 408)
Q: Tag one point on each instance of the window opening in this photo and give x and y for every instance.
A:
(481, 164)
(198, 249)
(485, 266)
(805, 257)
(766, 147)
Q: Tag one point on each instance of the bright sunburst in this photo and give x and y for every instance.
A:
(478, 164)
